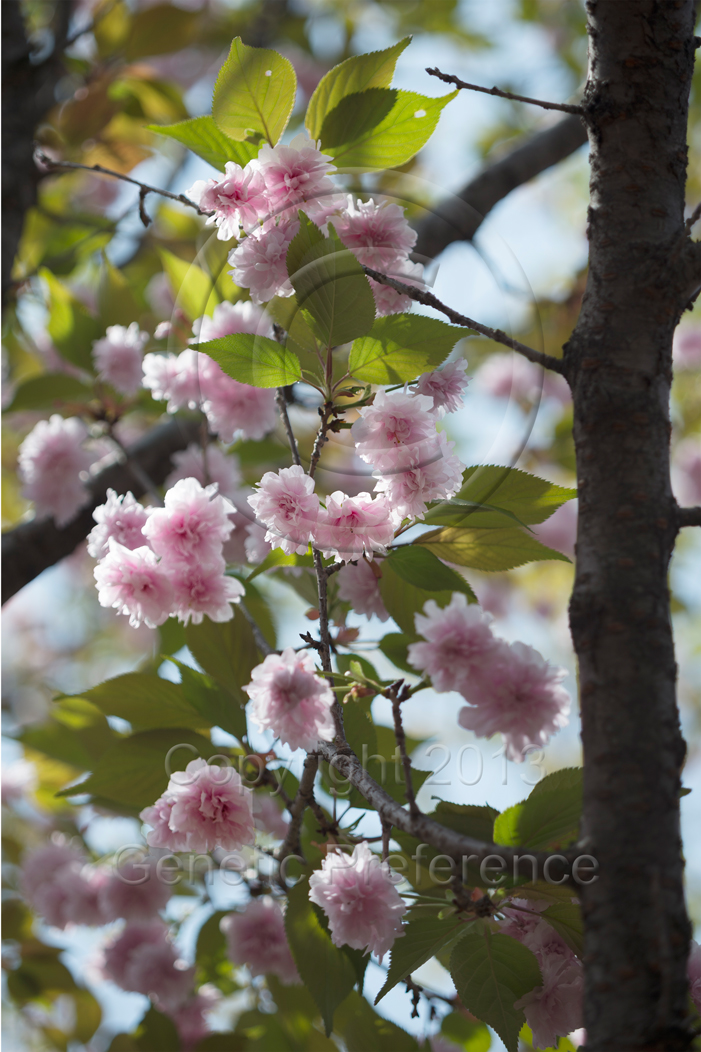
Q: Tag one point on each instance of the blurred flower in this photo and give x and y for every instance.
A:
(51, 459)
(358, 585)
(257, 939)
(291, 700)
(118, 357)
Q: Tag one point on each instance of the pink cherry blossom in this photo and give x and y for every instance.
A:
(50, 461)
(143, 959)
(268, 816)
(686, 349)
(686, 470)
(192, 526)
(289, 698)
(200, 589)
(352, 526)
(560, 530)
(232, 407)
(459, 641)
(294, 173)
(121, 517)
(42, 863)
(394, 430)
(358, 585)
(134, 583)
(260, 261)
(555, 1008)
(174, 379)
(506, 375)
(207, 806)
(230, 318)
(377, 234)
(446, 386)
(694, 974)
(71, 894)
(257, 939)
(237, 200)
(358, 896)
(118, 357)
(433, 473)
(190, 1019)
(256, 545)
(134, 892)
(209, 465)
(517, 693)
(286, 503)
(387, 299)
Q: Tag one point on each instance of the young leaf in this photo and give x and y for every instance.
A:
(325, 970)
(194, 290)
(424, 570)
(380, 127)
(226, 650)
(421, 941)
(362, 1029)
(204, 137)
(549, 817)
(354, 75)
(403, 598)
(529, 498)
(394, 646)
(253, 359)
(490, 973)
(487, 549)
(145, 701)
(254, 93)
(48, 391)
(400, 347)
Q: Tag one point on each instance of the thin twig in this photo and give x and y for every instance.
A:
(386, 834)
(415, 990)
(397, 693)
(693, 218)
(429, 300)
(689, 516)
(281, 403)
(260, 640)
(292, 844)
(564, 107)
(325, 412)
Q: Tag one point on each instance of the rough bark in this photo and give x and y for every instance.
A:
(643, 271)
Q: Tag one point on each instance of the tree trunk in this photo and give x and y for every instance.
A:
(643, 272)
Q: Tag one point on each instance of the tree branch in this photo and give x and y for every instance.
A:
(398, 693)
(448, 78)
(429, 300)
(281, 403)
(693, 218)
(291, 844)
(689, 516)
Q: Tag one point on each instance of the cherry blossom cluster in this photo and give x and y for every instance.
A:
(510, 688)
(118, 357)
(158, 562)
(143, 959)
(256, 938)
(258, 205)
(51, 459)
(289, 698)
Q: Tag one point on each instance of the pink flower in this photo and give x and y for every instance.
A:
(174, 379)
(393, 430)
(134, 583)
(230, 318)
(51, 459)
(433, 473)
(206, 466)
(459, 641)
(351, 526)
(134, 892)
(237, 201)
(446, 386)
(377, 234)
(293, 174)
(387, 299)
(257, 939)
(200, 589)
(121, 517)
(190, 1019)
(208, 807)
(686, 470)
(686, 349)
(260, 261)
(506, 375)
(143, 959)
(256, 545)
(286, 503)
(694, 974)
(268, 816)
(358, 585)
(560, 530)
(358, 896)
(232, 407)
(192, 527)
(43, 863)
(555, 1008)
(71, 895)
(119, 356)
(289, 698)
(522, 917)
(517, 693)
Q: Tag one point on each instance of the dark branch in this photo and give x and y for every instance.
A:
(448, 78)
(689, 516)
(281, 403)
(398, 693)
(429, 300)
(291, 844)
(693, 218)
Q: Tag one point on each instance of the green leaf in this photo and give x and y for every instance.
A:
(49, 391)
(354, 75)
(254, 93)
(487, 549)
(380, 127)
(156, 1033)
(363, 1030)
(456, 512)
(159, 30)
(193, 288)
(422, 569)
(529, 498)
(468, 1036)
(401, 346)
(403, 599)
(253, 359)
(204, 137)
(145, 701)
(566, 919)
(213, 964)
(75, 733)
(115, 300)
(490, 973)
(330, 284)
(215, 706)
(325, 970)
(549, 817)
(225, 650)
(474, 820)
(422, 939)
(71, 327)
(394, 646)
(133, 770)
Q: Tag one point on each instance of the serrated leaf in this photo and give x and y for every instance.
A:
(566, 919)
(362, 1029)
(422, 939)
(49, 391)
(422, 569)
(490, 973)
(529, 498)
(489, 550)
(194, 290)
(255, 92)
(325, 970)
(549, 817)
(355, 74)
(214, 706)
(204, 137)
(457, 512)
(145, 701)
(253, 359)
(380, 127)
(400, 347)
(403, 599)
(225, 650)
(473, 820)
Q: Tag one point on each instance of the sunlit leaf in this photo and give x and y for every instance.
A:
(204, 137)
(254, 92)
(401, 346)
(253, 359)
